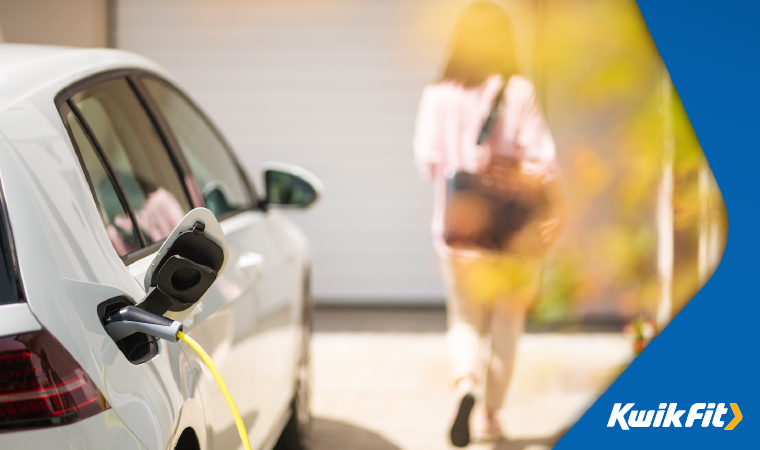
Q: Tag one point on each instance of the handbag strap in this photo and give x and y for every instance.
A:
(493, 115)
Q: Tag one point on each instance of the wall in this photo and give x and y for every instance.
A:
(80, 23)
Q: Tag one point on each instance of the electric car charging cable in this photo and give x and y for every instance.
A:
(131, 319)
(223, 387)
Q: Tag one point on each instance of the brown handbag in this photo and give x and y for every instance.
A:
(499, 210)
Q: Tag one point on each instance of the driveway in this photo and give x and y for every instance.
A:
(381, 381)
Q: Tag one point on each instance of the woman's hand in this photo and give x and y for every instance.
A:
(549, 229)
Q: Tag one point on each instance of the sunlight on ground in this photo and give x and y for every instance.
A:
(384, 391)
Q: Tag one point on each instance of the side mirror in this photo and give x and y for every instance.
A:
(186, 266)
(290, 186)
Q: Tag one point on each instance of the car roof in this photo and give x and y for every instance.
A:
(26, 69)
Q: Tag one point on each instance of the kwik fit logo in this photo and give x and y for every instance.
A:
(668, 415)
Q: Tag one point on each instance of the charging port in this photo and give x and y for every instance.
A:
(138, 347)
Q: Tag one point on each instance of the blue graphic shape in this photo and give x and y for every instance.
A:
(709, 352)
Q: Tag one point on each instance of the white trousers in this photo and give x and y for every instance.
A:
(472, 323)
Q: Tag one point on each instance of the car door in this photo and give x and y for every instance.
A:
(253, 359)
(140, 197)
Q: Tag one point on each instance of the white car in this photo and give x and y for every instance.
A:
(101, 157)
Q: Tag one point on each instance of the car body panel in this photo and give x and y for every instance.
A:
(17, 318)
(68, 267)
(104, 430)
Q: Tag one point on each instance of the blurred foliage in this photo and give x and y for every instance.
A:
(603, 91)
(562, 280)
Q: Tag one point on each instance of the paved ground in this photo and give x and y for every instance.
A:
(381, 381)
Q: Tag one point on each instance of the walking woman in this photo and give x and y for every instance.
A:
(488, 292)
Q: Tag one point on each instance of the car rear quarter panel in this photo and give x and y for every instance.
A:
(68, 266)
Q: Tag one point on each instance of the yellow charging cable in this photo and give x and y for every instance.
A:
(218, 377)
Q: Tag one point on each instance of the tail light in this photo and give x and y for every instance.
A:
(42, 385)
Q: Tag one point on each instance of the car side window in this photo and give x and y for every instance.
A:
(145, 172)
(223, 186)
(119, 227)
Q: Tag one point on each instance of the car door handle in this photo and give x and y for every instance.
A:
(249, 262)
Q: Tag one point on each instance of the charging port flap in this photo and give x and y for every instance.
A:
(186, 266)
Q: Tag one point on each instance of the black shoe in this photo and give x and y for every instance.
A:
(460, 429)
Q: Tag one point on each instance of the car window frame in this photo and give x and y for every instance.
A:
(64, 109)
(63, 103)
(165, 132)
(252, 194)
(9, 253)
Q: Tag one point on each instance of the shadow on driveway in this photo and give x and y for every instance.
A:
(520, 444)
(333, 435)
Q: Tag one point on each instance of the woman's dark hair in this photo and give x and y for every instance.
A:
(481, 46)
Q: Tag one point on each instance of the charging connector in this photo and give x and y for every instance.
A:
(131, 319)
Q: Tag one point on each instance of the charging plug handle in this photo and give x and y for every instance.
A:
(131, 319)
